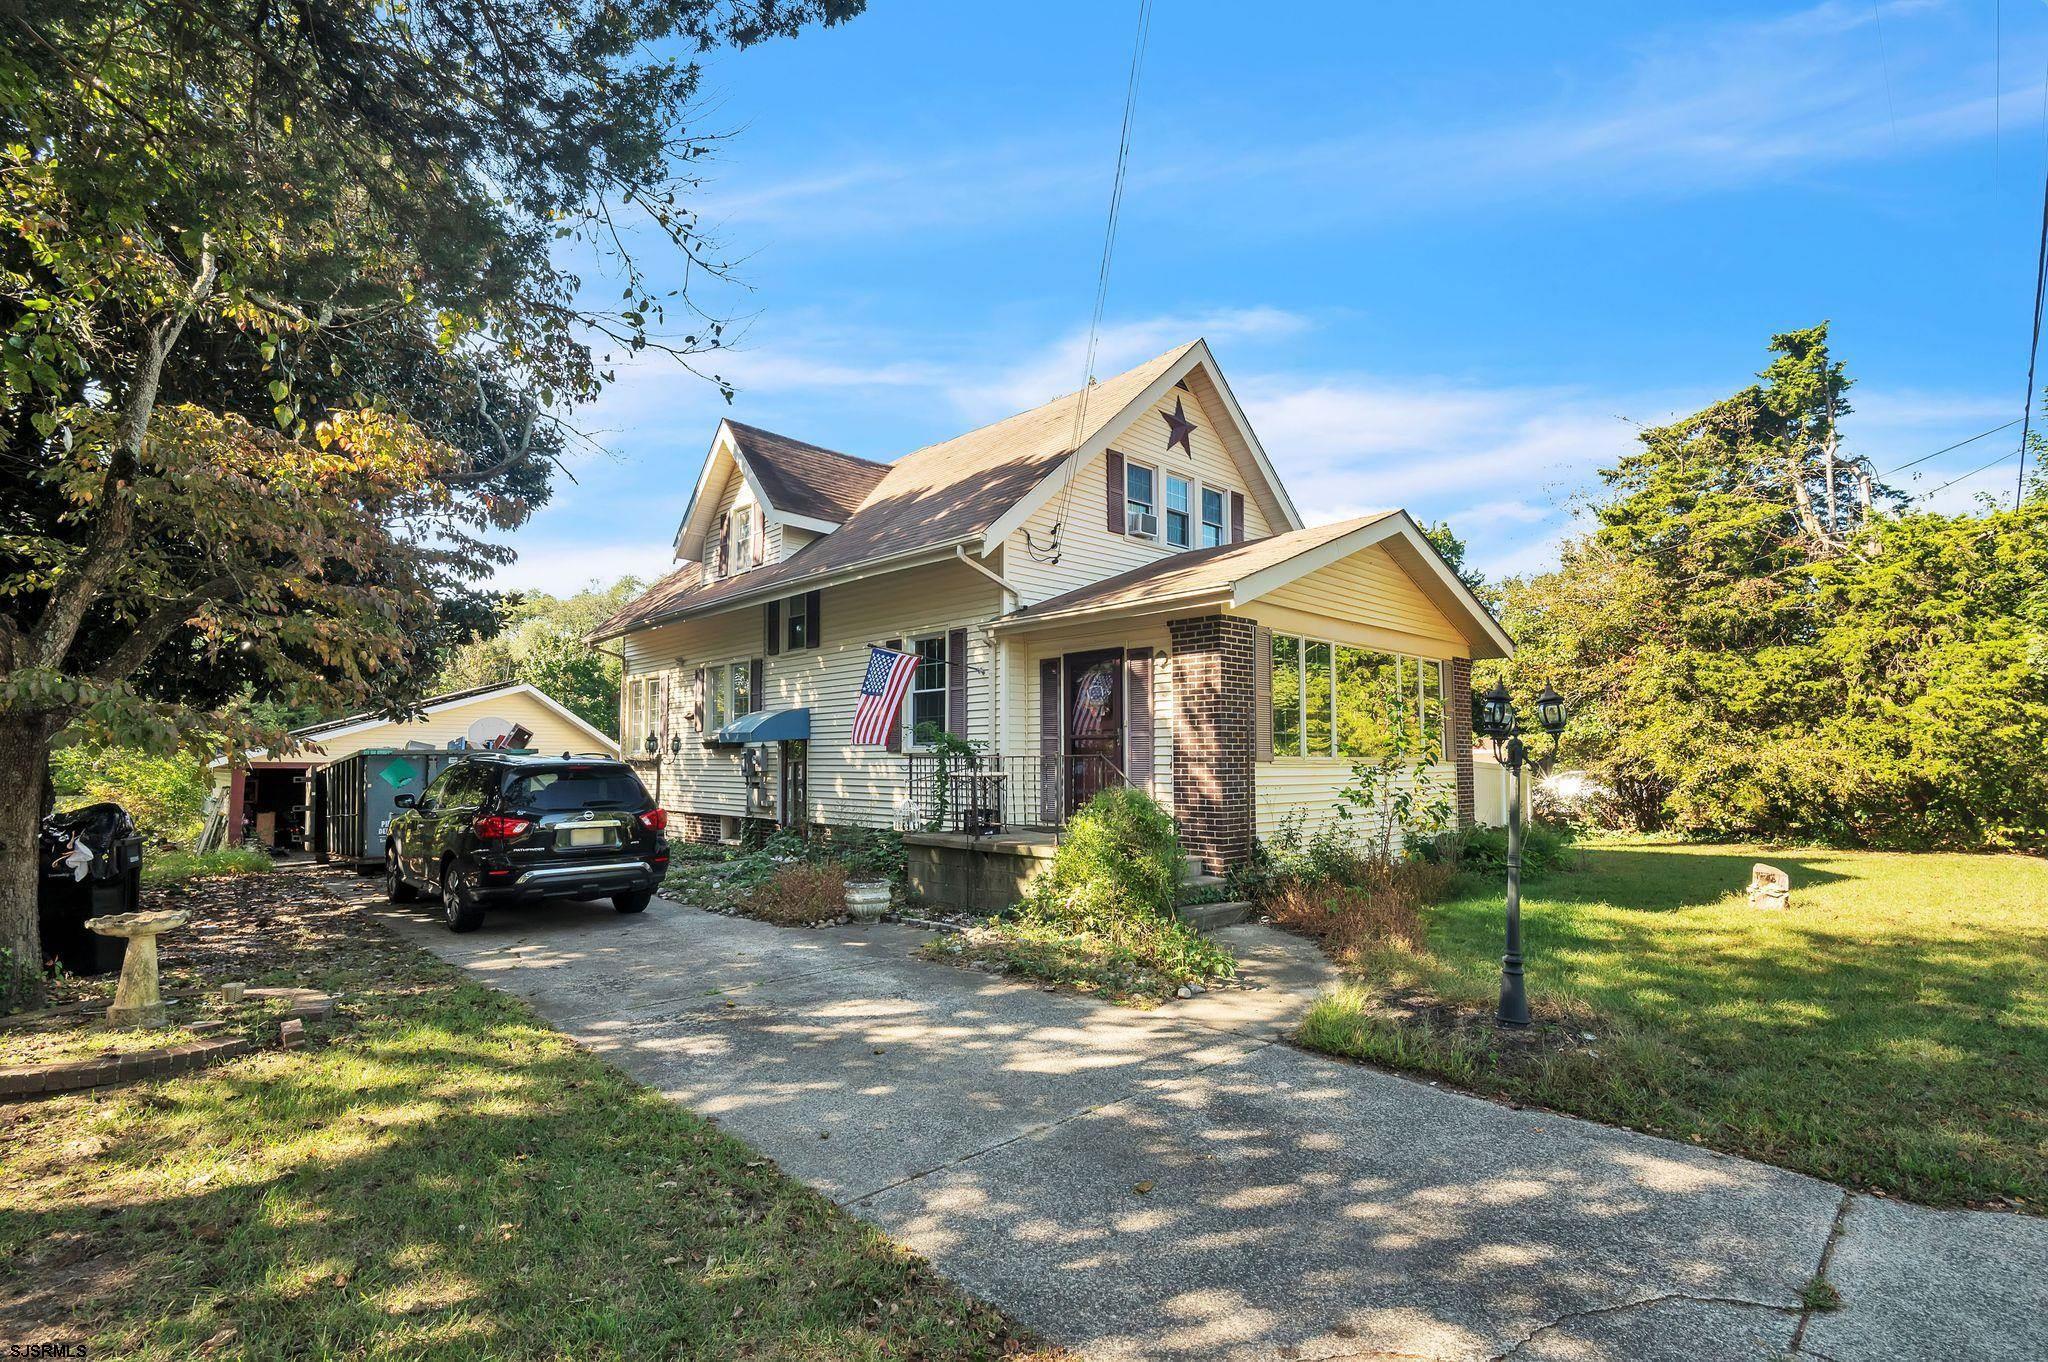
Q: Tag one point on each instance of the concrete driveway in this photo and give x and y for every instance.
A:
(1180, 1184)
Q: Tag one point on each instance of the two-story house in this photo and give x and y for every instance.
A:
(1113, 587)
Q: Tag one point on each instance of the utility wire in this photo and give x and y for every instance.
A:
(1957, 445)
(1116, 201)
(2034, 345)
(1983, 468)
(1885, 64)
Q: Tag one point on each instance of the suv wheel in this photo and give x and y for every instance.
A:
(396, 888)
(635, 902)
(458, 901)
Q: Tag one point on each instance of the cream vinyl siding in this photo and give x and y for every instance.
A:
(1364, 592)
(847, 785)
(1366, 600)
(1023, 653)
(551, 732)
(1090, 551)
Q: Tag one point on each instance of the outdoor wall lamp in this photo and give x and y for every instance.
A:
(653, 744)
(1496, 721)
(675, 746)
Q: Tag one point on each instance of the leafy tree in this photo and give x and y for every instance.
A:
(1756, 637)
(285, 328)
(539, 639)
(1452, 549)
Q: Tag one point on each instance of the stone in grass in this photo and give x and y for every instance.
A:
(291, 1033)
(1769, 887)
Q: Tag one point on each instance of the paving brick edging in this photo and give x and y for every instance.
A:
(26, 1080)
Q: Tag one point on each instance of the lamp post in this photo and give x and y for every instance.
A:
(1497, 722)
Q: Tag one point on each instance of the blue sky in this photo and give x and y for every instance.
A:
(1439, 252)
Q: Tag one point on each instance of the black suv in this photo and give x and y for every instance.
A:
(496, 829)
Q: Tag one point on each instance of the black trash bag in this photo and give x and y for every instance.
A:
(112, 884)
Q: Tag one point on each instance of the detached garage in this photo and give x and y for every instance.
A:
(275, 803)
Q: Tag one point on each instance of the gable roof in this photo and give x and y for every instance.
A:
(1235, 574)
(930, 500)
(434, 704)
(805, 479)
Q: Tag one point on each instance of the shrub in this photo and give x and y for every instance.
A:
(728, 880)
(801, 894)
(1120, 853)
(1100, 916)
(1546, 847)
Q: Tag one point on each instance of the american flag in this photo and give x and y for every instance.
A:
(1091, 702)
(882, 689)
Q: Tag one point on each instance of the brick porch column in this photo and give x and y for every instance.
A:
(1460, 704)
(1212, 737)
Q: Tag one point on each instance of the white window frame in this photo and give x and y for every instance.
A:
(738, 674)
(1193, 489)
(1406, 666)
(913, 643)
(1151, 507)
(633, 713)
(794, 608)
(1222, 521)
(742, 538)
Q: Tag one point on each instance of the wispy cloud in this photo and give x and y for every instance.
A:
(1701, 106)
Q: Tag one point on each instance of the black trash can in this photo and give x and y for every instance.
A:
(112, 884)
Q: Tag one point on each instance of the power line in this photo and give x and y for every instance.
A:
(1116, 202)
(1984, 468)
(2034, 345)
(1957, 445)
(1884, 62)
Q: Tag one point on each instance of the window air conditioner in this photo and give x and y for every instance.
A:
(1144, 524)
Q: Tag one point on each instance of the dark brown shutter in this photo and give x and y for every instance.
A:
(1138, 719)
(760, 536)
(697, 701)
(956, 682)
(1049, 810)
(816, 635)
(724, 557)
(1237, 517)
(1114, 462)
(772, 613)
(758, 684)
(1262, 695)
(895, 743)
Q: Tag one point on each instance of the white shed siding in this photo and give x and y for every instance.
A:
(847, 785)
(1089, 550)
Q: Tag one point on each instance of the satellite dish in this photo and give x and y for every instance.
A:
(486, 731)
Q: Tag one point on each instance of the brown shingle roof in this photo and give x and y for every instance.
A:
(806, 479)
(1195, 572)
(943, 494)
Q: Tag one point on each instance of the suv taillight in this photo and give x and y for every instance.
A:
(496, 827)
(654, 820)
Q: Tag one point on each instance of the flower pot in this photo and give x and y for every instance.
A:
(866, 900)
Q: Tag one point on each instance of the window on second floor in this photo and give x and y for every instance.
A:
(1178, 507)
(1140, 501)
(743, 539)
(1212, 517)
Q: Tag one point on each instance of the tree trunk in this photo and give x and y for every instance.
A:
(24, 758)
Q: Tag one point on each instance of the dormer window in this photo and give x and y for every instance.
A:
(743, 541)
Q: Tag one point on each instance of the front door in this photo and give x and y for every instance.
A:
(1095, 724)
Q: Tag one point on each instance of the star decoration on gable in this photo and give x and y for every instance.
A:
(1178, 428)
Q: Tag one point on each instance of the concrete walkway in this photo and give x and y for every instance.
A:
(1291, 1206)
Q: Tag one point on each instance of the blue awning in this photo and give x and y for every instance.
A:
(766, 725)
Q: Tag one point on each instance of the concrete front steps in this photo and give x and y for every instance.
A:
(1207, 917)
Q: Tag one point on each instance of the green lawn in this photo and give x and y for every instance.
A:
(438, 1175)
(1889, 1031)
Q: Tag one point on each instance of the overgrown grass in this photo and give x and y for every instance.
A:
(774, 880)
(1889, 1031)
(438, 1175)
(164, 868)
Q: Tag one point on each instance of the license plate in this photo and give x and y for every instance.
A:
(588, 837)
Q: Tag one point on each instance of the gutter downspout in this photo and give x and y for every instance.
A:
(997, 658)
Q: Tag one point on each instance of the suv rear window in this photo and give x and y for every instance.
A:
(569, 790)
